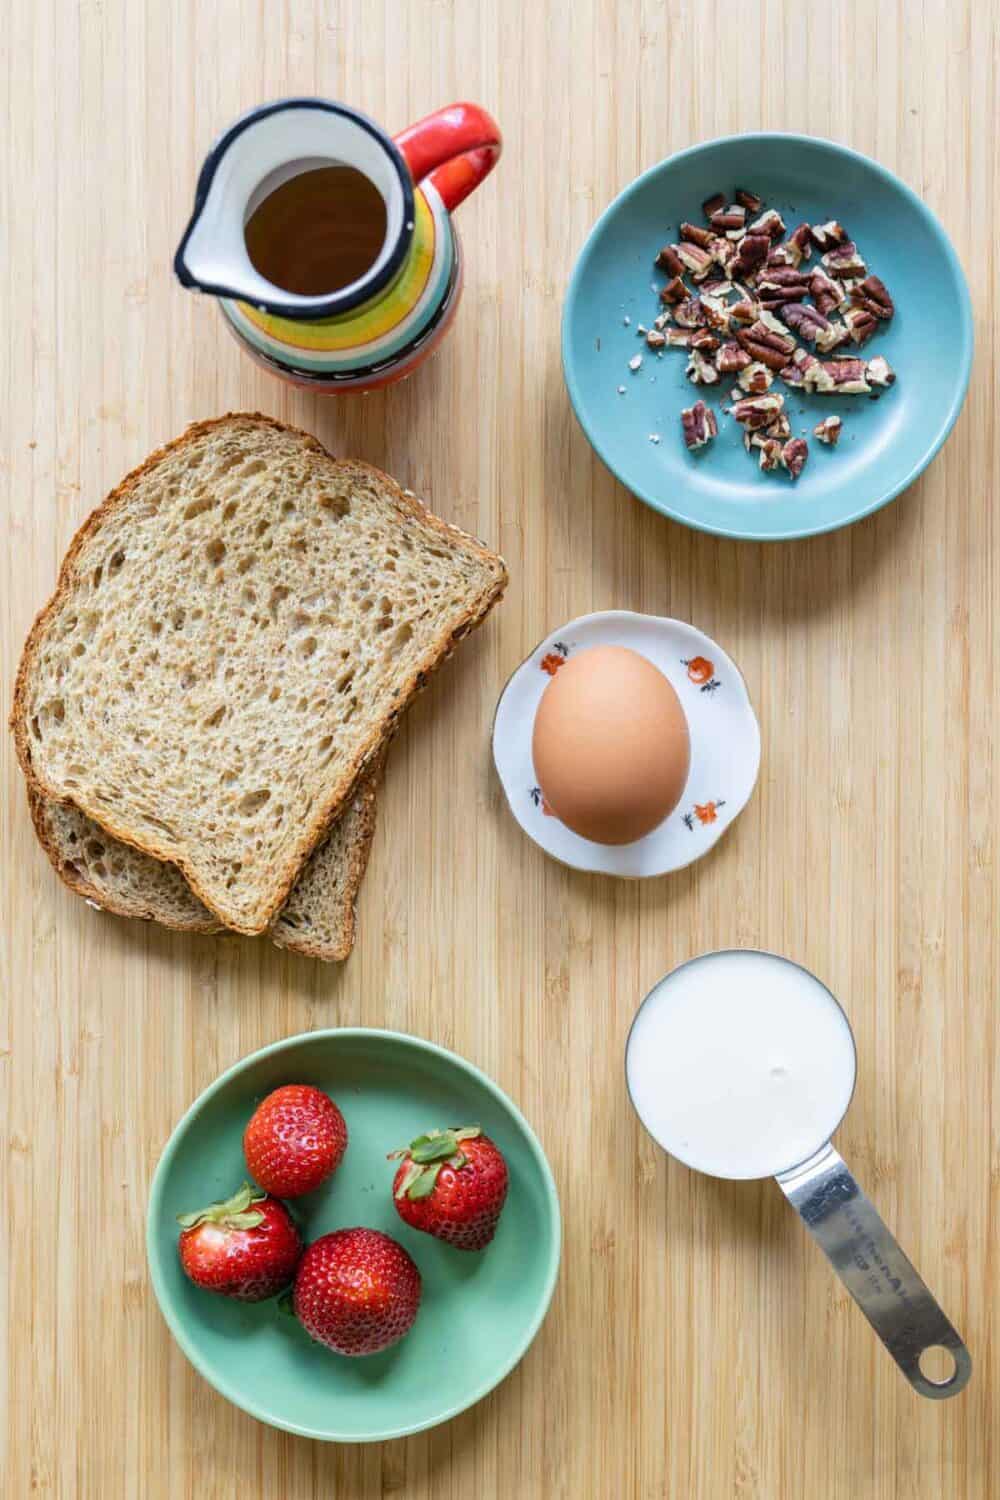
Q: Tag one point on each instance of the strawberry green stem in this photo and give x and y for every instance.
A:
(232, 1213)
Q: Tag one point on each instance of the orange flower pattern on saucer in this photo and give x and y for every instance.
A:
(704, 813)
(553, 660)
(702, 673)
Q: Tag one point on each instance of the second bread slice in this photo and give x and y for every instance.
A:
(318, 919)
(233, 637)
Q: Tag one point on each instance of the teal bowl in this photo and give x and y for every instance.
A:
(479, 1312)
(885, 444)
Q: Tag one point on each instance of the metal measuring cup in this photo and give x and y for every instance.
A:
(846, 1225)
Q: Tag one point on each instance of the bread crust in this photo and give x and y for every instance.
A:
(147, 911)
(369, 753)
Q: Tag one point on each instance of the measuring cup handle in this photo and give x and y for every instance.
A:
(845, 1224)
(455, 148)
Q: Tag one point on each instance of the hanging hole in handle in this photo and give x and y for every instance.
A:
(937, 1364)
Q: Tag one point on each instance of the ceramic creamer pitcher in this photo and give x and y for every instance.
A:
(385, 322)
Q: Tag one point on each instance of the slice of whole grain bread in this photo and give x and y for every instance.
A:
(318, 919)
(234, 634)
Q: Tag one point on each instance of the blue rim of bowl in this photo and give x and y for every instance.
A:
(763, 138)
(155, 1210)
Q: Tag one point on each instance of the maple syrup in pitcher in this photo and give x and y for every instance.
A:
(319, 231)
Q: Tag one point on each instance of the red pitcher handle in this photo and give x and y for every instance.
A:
(456, 147)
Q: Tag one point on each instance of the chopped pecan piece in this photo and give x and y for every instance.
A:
(860, 324)
(831, 337)
(733, 217)
(716, 311)
(782, 284)
(716, 288)
(779, 428)
(770, 223)
(828, 431)
(756, 412)
(713, 204)
(703, 340)
(744, 311)
(878, 371)
(784, 254)
(770, 453)
(873, 296)
(773, 324)
(827, 294)
(689, 314)
(846, 377)
(844, 260)
(669, 260)
(748, 200)
(807, 321)
(722, 251)
(695, 259)
(655, 338)
(731, 358)
(801, 239)
(756, 378)
(696, 234)
(751, 252)
(674, 291)
(680, 338)
(794, 455)
(805, 372)
(826, 235)
(761, 349)
(701, 371)
(698, 425)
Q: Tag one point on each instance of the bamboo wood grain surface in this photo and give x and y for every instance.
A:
(697, 1346)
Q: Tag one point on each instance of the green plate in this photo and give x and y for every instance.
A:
(479, 1312)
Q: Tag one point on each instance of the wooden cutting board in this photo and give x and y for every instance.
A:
(697, 1347)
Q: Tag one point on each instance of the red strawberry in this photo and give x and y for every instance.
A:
(452, 1184)
(357, 1291)
(247, 1247)
(295, 1139)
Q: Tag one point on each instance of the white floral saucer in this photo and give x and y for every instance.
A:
(725, 743)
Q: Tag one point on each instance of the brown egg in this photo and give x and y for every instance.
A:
(611, 745)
